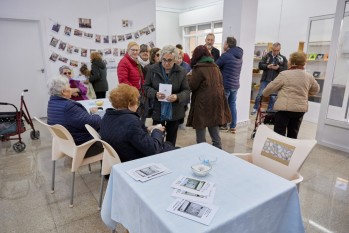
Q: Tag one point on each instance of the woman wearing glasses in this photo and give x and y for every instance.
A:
(129, 70)
(78, 89)
(169, 100)
(154, 58)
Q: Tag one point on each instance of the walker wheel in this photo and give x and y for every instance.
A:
(18, 147)
(35, 134)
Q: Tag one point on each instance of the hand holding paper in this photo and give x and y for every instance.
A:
(165, 90)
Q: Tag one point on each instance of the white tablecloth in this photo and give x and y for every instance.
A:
(249, 198)
(92, 103)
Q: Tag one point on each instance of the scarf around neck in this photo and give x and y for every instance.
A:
(206, 59)
(166, 107)
(143, 63)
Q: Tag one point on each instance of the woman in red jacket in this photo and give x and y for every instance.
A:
(129, 70)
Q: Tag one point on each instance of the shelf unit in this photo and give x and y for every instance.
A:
(317, 53)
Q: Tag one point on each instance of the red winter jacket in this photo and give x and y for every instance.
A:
(128, 72)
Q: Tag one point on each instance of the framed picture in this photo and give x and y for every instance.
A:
(84, 23)
(316, 74)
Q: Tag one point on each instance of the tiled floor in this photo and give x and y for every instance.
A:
(26, 204)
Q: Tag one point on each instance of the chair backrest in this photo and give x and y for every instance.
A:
(93, 132)
(278, 154)
(110, 157)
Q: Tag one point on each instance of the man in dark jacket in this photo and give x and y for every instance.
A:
(209, 40)
(230, 65)
(271, 64)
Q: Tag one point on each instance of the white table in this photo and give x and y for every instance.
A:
(92, 103)
(250, 199)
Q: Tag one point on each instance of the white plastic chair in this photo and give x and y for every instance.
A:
(278, 154)
(63, 145)
(110, 157)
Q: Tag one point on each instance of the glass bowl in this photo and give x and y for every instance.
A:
(208, 159)
(201, 169)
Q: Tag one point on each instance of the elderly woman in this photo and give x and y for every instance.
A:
(182, 63)
(98, 77)
(78, 89)
(129, 70)
(209, 107)
(143, 57)
(168, 106)
(293, 86)
(154, 58)
(71, 114)
(124, 131)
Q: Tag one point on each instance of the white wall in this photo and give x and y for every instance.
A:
(202, 15)
(167, 29)
(106, 16)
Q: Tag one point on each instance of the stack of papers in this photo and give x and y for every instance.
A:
(194, 199)
(148, 172)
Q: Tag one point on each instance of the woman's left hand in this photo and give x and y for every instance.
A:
(172, 98)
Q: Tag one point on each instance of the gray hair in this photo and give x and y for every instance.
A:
(276, 44)
(169, 49)
(57, 85)
(62, 68)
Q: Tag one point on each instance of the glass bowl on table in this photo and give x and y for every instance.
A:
(208, 159)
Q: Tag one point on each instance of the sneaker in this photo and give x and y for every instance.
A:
(254, 111)
(182, 126)
(233, 130)
(223, 128)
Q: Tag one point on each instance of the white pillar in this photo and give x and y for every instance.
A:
(239, 20)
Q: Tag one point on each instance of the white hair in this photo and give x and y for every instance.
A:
(57, 85)
(169, 49)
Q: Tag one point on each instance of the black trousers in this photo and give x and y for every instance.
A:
(288, 121)
(171, 130)
(100, 94)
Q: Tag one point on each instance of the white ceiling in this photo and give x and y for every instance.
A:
(183, 5)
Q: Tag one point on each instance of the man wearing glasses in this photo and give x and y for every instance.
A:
(271, 64)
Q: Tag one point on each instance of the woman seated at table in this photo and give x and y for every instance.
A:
(78, 90)
(71, 114)
(125, 132)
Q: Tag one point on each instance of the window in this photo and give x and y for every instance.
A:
(195, 35)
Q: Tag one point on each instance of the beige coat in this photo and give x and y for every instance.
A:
(294, 87)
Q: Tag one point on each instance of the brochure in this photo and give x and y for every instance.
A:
(194, 197)
(193, 185)
(165, 89)
(148, 172)
(202, 213)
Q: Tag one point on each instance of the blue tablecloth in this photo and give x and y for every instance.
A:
(249, 198)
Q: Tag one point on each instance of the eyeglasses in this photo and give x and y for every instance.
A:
(167, 60)
(65, 73)
(134, 50)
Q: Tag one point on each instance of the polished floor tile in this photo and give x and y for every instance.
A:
(27, 205)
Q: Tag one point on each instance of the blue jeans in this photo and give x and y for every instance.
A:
(258, 97)
(230, 94)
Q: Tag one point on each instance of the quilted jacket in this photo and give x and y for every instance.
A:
(73, 116)
(128, 72)
(126, 133)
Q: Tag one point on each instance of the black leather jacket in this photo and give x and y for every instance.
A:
(269, 74)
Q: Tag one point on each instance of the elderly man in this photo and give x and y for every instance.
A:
(209, 40)
(271, 64)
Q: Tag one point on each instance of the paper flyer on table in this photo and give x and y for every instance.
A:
(148, 172)
(193, 185)
(194, 197)
(165, 89)
(202, 213)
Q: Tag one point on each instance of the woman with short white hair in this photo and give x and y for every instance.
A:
(168, 109)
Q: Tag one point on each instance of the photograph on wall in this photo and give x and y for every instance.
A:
(152, 28)
(54, 42)
(151, 44)
(128, 36)
(98, 38)
(83, 64)
(67, 31)
(113, 39)
(319, 57)
(56, 27)
(88, 35)
(84, 23)
(62, 45)
(63, 59)
(126, 23)
(77, 32)
(83, 52)
(121, 38)
(146, 30)
(53, 57)
(122, 52)
(74, 63)
(92, 50)
(141, 32)
(115, 52)
(136, 35)
(70, 48)
(107, 51)
(76, 49)
(106, 39)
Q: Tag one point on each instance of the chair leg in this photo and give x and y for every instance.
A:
(89, 168)
(101, 193)
(53, 176)
(72, 192)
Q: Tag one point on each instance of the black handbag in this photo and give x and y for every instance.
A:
(146, 106)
